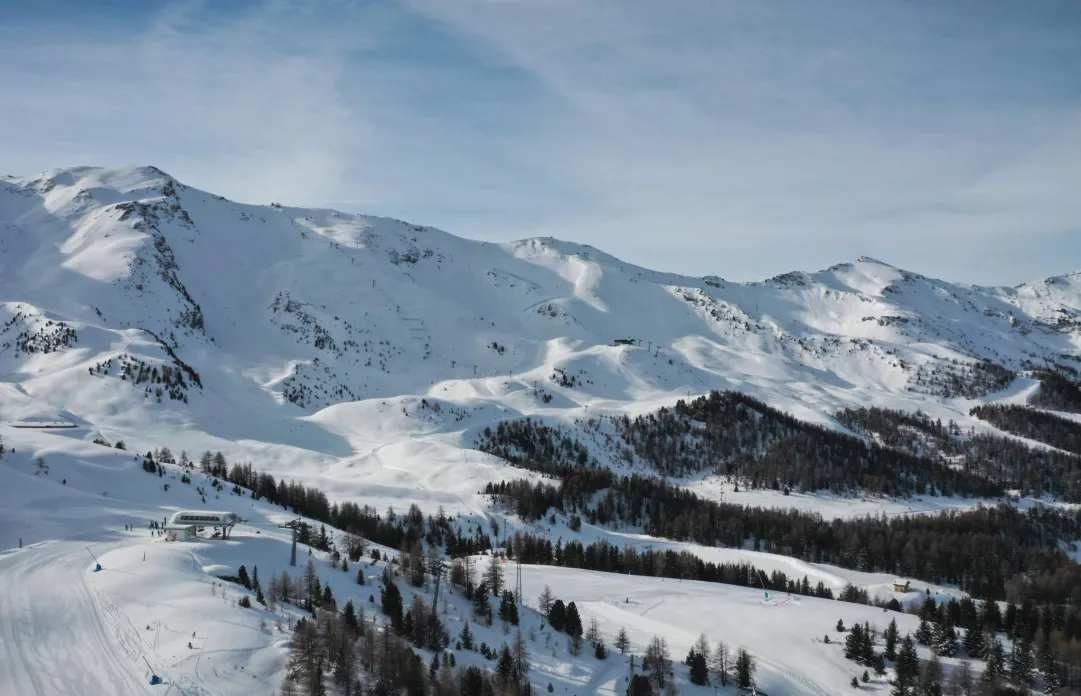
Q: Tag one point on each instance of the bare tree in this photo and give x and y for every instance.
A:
(721, 663)
(545, 600)
(593, 633)
(623, 643)
(657, 661)
(493, 576)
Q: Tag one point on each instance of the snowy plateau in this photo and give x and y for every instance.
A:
(363, 356)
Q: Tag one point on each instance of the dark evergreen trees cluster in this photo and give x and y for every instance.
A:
(47, 337)
(1004, 462)
(994, 552)
(732, 434)
(860, 645)
(1057, 391)
(1033, 424)
(159, 379)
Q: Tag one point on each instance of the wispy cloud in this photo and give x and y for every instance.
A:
(706, 137)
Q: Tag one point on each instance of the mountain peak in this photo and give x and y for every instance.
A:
(876, 262)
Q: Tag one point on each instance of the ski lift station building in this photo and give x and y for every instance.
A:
(184, 524)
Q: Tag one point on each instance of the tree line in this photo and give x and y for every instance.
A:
(1036, 425)
(997, 552)
(1004, 461)
(1057, 391)
(732, 434)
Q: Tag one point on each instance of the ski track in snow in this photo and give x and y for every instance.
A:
(64, 646)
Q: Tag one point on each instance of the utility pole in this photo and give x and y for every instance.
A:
(518, 580)
(294, 525)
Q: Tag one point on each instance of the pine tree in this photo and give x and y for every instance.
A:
(466, 637)
(907, 670)
(242, 576)
(699, 669)
(854, 643)
(745, 668)
(508, 610)
(481, 609)
(573, 624)
(327, 601)
(1021, 663)
(390, 598)
(975, 646)
(996, 662)
(891, 636)
(557, 616)
(639, 686)
(867, 647)
(1048, 668)
(360, 576)
(945, 640)
(840, 626)
(505, 666)
(924, 633)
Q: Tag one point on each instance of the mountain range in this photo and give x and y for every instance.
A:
(136, 308)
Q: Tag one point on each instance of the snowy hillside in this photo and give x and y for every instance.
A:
(367, 358)
(355, 351)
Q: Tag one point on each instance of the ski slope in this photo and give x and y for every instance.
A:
(67, 629)
(362, 355)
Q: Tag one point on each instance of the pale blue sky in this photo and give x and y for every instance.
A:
(741, 139)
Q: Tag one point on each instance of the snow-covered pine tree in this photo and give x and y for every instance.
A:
(924, 633)
(996, 662)
(975, 645)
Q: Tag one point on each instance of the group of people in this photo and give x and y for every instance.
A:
(157, 529)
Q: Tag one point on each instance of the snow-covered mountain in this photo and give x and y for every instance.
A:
(142, 309)
(363, 355)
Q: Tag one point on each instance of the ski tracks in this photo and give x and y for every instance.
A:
(55, 635)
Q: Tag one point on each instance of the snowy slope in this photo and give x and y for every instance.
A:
(354, 351)
(362, 355)
(69, 630)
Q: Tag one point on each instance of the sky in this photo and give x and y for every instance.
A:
(740, 139)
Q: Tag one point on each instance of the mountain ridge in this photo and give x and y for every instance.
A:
(155, 312)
